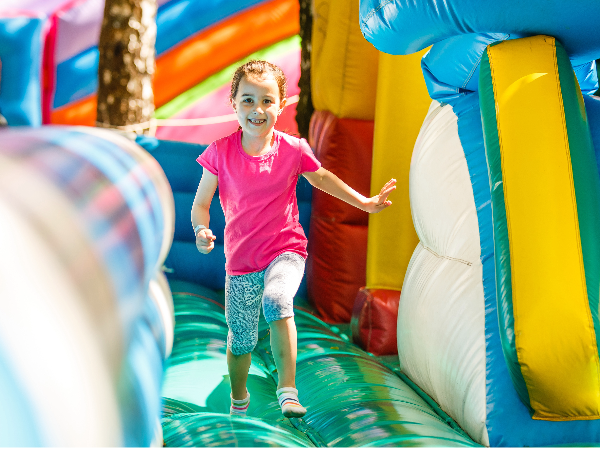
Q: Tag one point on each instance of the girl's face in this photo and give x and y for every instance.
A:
(257, 105)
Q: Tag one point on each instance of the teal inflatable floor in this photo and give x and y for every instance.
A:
(353, 399)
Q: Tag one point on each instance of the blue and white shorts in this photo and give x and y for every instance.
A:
(275, 286)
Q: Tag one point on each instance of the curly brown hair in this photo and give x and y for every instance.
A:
(258, 69)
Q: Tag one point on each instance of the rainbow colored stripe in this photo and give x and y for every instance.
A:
(194, 41)
(210, 98)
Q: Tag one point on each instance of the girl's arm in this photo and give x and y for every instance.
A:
(205, 239)
(326, 181)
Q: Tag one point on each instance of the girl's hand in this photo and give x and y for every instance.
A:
(380, 201)
(205, 241)
(326, 181)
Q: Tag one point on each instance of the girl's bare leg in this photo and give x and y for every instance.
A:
(238, 366)
(284, 346)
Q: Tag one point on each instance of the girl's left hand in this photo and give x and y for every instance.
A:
(380, 201)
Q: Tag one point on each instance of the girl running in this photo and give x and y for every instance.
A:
(256, 169)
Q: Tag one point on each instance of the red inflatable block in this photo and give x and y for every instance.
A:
(335, 268)
(337, 242)
(374, 321)
(345, 148)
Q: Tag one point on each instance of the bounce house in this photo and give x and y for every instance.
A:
(473, 299)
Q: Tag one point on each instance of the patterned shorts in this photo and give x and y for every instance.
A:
(275, 286)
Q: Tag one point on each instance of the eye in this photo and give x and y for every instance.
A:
(247, 100)
(268, 101)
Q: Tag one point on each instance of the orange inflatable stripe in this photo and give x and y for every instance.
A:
(215, 49)
(203, 55)
(82, 112)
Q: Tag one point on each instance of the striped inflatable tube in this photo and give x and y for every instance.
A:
(86, 316)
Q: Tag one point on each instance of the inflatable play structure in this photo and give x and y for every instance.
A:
(481, 281)
(498, 317)
(50, 58)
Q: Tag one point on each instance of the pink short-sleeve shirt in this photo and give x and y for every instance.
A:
(258, 197)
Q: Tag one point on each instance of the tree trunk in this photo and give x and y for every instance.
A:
(305, 108)
(126, 65)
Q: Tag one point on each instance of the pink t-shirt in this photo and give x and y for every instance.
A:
(258, 197)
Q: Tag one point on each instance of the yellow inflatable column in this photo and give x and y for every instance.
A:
(401, 105)
(343, 63)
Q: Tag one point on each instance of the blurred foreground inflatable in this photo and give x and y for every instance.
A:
(498, 318)
(87, 314)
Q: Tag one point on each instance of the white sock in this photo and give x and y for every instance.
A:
(288, 400)
(239, 407)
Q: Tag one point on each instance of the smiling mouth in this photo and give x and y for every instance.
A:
(257, 121)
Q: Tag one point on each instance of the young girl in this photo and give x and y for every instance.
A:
(257, 169)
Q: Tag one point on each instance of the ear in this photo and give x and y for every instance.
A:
(232, 102)
(281, 106)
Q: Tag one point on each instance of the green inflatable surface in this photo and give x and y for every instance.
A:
(353, 399)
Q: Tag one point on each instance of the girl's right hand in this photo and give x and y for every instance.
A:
(205, 241)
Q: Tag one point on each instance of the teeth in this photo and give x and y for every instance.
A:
(257, 120)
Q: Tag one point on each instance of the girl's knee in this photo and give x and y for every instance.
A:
(239, 346)
(243, 349)
(278, 308)
(282, 324)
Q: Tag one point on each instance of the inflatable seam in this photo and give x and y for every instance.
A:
(451, 258)
(473, 69)
(477, 64)
(372, 13)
